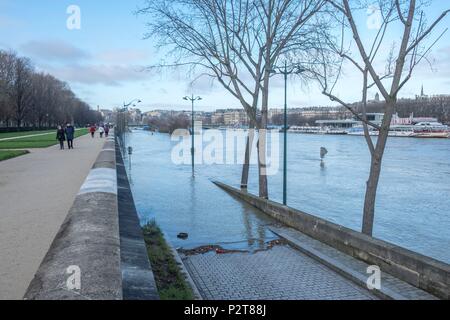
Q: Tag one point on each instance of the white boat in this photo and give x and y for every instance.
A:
(306, 130)
(317, 130)
(431, 130)
(404, 131)
(420, 130)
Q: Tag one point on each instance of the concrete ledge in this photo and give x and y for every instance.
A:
(138, 282)
(349, 267)
(184, 272)
(88, 241)
(423, 272)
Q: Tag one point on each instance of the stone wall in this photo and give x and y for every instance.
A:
(100, 242)
(87, 246)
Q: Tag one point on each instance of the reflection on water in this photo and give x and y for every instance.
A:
(412, 208)
(181, 203)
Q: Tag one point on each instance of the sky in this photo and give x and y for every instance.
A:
(104, 61)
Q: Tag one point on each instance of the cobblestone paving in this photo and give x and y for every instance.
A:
(282, 273)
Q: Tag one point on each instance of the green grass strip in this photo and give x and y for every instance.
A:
(9, 154)
(169, 280)
(43, 141)
(7, 135)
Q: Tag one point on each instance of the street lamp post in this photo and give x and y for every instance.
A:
(193, 99)
(125, 118)
(286, 71)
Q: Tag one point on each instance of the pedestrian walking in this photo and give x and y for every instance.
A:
(107, 131)
(70, 135)
(61, 137)
(101, 130)
(92, 130)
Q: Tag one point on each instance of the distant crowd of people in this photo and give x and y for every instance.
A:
(103, 130)
(67, 133)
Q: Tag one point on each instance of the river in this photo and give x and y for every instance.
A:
(413, 203)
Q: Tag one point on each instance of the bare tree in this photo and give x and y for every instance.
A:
(6, 74)
(236, 42)
(21, 89)
(408, 16)
(33, 99)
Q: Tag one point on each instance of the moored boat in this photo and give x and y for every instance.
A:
(420, 130)
(431, 130)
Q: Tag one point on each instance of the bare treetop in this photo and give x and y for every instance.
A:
(233, 41)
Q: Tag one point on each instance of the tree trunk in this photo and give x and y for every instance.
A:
(262, 169)
(248, 153)
(375, 171)
(371, 194)
(262, 146)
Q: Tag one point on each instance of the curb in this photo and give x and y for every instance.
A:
(184, 271)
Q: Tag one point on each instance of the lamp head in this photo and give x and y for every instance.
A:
(300, 70)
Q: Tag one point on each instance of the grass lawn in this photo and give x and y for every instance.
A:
(169, 280)
(21, 134)
(5, 155)
(44, 141)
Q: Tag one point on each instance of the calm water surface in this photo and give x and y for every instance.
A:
(413, 207)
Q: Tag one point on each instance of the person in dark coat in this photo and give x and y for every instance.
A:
(70, 135)
(61, 137)
(107, 131)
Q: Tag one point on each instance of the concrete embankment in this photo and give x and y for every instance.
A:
(85, 260)
(138, 282)
(420, 271)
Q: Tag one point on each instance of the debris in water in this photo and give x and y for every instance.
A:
(219, 250)
(183, 236)
(270, 245)
(323, 153)
(207, 249)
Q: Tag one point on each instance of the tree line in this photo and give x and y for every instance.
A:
(169, 123)
(29, 98)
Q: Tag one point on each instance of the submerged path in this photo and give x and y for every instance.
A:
(281, 273)
(36, 193)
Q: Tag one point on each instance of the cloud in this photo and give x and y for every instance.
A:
(123, 56)
(51, 50)
(8, 22)
(110, 75)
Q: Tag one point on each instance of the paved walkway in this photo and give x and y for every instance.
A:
(282, 273)
(36, 193)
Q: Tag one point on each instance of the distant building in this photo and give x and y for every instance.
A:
(376, 99)
(136, 116)
(108, 115)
